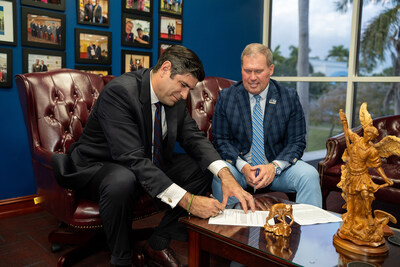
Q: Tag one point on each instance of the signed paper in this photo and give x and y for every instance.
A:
(303, 214)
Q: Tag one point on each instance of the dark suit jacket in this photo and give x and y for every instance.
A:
(284, 124)
(97, 52)
(119, 129)
(88, 13)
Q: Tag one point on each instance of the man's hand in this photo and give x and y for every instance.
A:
(266, 175)
(230, 187)
(203, 207)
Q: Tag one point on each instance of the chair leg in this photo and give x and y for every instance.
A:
(325, 194)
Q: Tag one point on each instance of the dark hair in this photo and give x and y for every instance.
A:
(183, 61)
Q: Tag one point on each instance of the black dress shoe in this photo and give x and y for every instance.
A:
(161, 258)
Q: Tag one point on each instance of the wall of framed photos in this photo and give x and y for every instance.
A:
(216, 30)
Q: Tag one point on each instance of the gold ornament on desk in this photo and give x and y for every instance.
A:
(362, 233)
(281, 210)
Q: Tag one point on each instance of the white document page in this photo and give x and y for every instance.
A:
(303, 214)
(238, 217)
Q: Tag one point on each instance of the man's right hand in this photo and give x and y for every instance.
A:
(203, 207)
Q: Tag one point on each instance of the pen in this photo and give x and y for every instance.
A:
(257, 172)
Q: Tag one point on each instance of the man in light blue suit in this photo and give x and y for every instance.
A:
(282, 133)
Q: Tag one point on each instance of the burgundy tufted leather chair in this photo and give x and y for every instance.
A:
(202, 99)
(330, 167)
(56, 106)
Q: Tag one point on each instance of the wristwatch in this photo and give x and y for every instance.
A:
(278, 169)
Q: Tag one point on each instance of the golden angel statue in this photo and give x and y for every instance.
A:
(359, 226)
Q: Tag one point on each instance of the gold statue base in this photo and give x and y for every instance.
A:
(359, 249)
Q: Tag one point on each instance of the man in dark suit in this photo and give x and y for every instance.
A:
(97, 52)
(117, 154)
(44, 66)
(88, 11)
(267, 155)
(90, 51)
(128, 32)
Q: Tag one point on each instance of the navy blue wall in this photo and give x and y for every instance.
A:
(216, 30)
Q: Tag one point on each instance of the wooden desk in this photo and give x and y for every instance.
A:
(307, 246)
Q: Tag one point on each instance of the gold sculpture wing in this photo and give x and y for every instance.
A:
(365, 117)
(390, 145)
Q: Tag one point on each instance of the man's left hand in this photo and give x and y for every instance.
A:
(265, 176)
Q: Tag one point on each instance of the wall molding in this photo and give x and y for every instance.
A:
(18, 206)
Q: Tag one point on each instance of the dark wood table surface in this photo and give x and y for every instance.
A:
(310, 245)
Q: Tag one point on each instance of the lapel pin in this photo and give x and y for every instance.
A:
(272, 101)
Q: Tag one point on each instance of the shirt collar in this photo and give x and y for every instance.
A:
(153, 96)
(263, 94)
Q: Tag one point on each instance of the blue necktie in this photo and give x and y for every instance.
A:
(157, 149)
(257, 152)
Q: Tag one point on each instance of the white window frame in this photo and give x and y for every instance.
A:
(352, 76)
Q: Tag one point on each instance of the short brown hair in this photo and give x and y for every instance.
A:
(183, 61)
(255, 48)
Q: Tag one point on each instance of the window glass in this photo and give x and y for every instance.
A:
(378, 98)
(329, 37)
(325, 100)
(379, 37)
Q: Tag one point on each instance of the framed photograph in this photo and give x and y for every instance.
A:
(8, 18)
(136, 31)
(50, 4)
(162, 47)
(93, 12)
(92, 46)
(43, 28)
(5, 67)
(37, 60)
(171, 6)
(170, 28)
(135, 60)
(141, 7)
(99, 70)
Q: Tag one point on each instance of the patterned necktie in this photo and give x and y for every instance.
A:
(157, 149)
(257, 151)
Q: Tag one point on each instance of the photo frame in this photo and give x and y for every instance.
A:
(140, 7)
(136, 31)
(51, 4)
(175, 8)
(135, 60)
(93, 12)
(6, 68)
(162, 47)
(92, 46)
(99, 70)
(43, 28)
(170, 28)
(52, 59)
(8, 14)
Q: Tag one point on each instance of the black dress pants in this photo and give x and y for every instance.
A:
(115, 188)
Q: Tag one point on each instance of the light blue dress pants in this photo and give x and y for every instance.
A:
(300, 178)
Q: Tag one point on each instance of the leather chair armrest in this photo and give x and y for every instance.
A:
(43, 156)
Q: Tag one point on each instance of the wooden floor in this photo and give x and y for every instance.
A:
(23, 239)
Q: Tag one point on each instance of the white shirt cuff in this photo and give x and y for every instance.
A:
(172, 195)
(282, 163)
(240, 163)
(216, 166)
